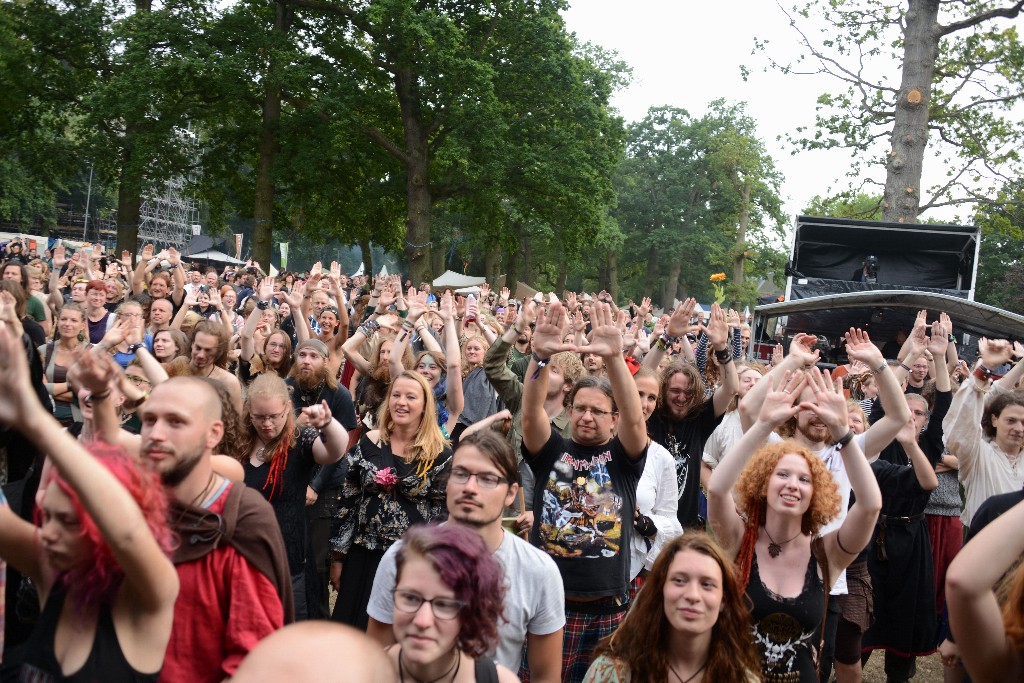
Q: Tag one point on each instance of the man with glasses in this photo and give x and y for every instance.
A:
(483, 482)
(585, 497)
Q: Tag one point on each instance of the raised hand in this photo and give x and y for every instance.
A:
(59, 257)
(15, 384)
(214, 295)
(417, 305)
(9, 313)
(829, 403)
(447, 308)
(503, 295)
(335, 273)
(317, 416)
(659, 326)
(172, 256)
(939, 339)
(679, 322)
(717, 328)
(387, 297)
(802, 348)
(570, 301)
(317, 270)
(547, 337)
(191, 299)
(266, 289)
(733, 318)
(859, 347)
(778, 354)
(605, 338)
(778, 405)
(147, 252)
(118, 333)
(994, 352)
(292, 298)
(126, 259)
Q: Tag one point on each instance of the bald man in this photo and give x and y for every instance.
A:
(231, 561)
(296, 654)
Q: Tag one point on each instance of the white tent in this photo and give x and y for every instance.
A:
(214, 255)
(457, 281)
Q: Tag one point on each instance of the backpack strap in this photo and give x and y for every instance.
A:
(485, 670)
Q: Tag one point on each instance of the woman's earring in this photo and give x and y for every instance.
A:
(81, 336)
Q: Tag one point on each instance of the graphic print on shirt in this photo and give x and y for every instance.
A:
(582, 514)
(680, 453)
(779, 638)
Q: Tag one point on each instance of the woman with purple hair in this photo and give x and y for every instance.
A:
(449, 594)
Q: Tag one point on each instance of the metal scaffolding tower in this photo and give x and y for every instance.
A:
(168, 214)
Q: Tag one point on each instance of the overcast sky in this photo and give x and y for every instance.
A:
(686, 54)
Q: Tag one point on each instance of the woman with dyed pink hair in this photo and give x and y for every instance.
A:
(99, 557)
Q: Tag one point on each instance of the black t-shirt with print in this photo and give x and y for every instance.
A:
(685, 440)
(584, 501)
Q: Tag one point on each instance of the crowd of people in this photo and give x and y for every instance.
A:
(220, 474)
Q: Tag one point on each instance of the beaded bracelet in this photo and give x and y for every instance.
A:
(541, 362)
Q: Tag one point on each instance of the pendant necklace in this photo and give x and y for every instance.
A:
(687, 680)
(775, 549)
(454, 667)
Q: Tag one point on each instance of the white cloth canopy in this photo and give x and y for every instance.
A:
(214, 255)
(457, 281)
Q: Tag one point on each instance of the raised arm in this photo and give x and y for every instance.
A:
(453, 359)
(177, 276)
(547, 341)
(974, 613)
(923, 469)
(300, 321)
(678, 327)
(148, 572)
(800, 357)
(606, 341)
(332, 444)
(830, 406)
(339, 298)
(248, 331)
(718, 336)
(882, 432)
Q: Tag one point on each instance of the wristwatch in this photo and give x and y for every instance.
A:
(134, 348)
(263, 305)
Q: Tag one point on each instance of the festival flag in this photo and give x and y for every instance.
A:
(284, 256)
(238, 245)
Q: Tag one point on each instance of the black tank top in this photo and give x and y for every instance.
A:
(787, 631)
(106, 662)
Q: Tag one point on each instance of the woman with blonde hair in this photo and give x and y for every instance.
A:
(688, 624)
(397, 476)
(58, 356)
(767, 508)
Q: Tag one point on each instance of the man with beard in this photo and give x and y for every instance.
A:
(483, 482)
(209, 359)
(311, 382)
(519, 356)
(235, 586)
(685, 417)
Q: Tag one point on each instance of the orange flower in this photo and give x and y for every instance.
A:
(718, 277)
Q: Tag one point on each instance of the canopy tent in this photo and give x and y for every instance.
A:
(214, 255)
(454, 280)
(884, 313)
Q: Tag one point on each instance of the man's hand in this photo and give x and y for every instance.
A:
(266, 289)
(829, 402)
(679, 321)
(717, 329)
(19, 405)
(802, 348)
(147, 252)
(173, 257)
(95, 372)
(59, 257)
(994, 352)
(547, 337)
(859, 347)
(605, 338)
(778, 405)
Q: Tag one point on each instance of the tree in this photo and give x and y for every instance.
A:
(961, 71)
(849, 204)
(697, 196)
(1002, 226)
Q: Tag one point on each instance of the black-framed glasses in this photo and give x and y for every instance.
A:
(411, 602)
(596, 412)
(486, 480)
(268, 418)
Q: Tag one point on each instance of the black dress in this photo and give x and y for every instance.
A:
(383, 495)
(901, 567)
(289, 502)
(787, 631)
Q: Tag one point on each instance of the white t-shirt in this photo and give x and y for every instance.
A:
(721, 441)
(534, 597)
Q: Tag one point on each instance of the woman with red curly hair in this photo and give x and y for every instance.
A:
(99, 558)
(449, 594)
(767, 508)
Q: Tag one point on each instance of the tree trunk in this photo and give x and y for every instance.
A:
(491, 262)
(512, 268)
(671, 286)
(651, 275)
(417, 168)
(527, 277)
(364, 246)
(269, 146)
(563, 275)
(129, 202)
(613, 275)
(437, 262)
(902, 197)
(740, 257)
